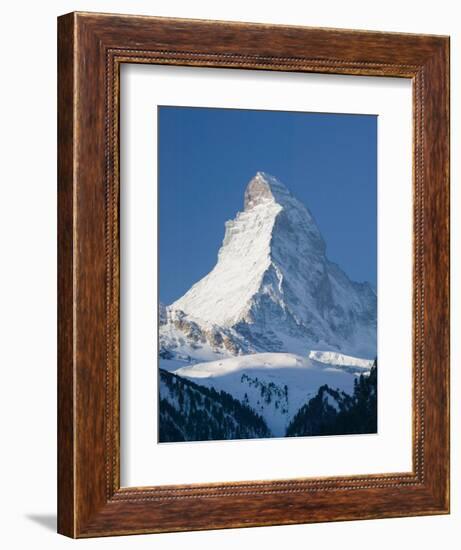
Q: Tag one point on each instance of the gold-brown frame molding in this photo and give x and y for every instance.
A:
(91, 48)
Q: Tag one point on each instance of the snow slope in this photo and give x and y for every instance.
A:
(272, 289)
(339, 359)
(275, 385)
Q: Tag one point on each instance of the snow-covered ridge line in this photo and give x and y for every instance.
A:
(230, 365)
(334, 358)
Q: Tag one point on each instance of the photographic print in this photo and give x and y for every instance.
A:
(267, 260)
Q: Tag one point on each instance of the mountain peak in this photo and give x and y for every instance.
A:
(262, 188)
(273, 284)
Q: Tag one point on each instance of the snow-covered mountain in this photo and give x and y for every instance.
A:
(274, 385)
(272, 289)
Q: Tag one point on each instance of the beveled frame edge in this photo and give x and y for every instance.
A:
(91, 49)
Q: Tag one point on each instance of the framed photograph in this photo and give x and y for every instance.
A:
(253, 275)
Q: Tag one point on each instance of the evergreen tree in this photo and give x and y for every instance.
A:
(190, 412)
(356, 414)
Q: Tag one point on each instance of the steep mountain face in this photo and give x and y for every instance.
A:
(272, 289)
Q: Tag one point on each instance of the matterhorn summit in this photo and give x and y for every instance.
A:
(273, 289)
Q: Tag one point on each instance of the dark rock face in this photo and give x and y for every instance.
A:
(257, 191)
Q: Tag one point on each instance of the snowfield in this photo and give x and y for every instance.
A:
(275, 385)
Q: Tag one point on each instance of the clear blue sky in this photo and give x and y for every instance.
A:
(207, 156)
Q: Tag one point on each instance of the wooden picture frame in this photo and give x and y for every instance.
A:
(91, 49)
